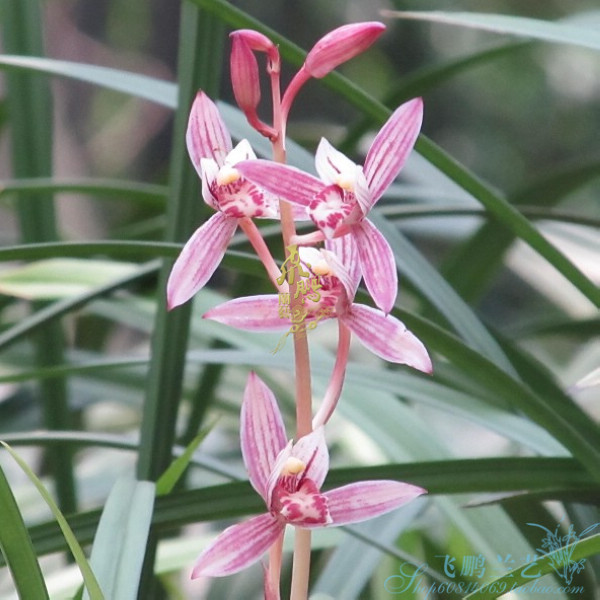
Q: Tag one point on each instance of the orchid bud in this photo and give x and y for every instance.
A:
(341, 45)
(260, 43)
(255, 40)
(244, 73)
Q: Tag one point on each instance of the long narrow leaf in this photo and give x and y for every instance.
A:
(547, 31)
(141, 86)
(120, 541)
(16, 547)
(88, 576)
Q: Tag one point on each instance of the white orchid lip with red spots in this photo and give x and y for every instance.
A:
(340, 200)
(289, 476)
(224, 189)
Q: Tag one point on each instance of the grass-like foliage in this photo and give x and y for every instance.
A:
(120, 403)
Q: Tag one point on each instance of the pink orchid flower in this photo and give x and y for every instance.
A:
(338, 202)
(288, 476)
(382, 334)
(225, 190)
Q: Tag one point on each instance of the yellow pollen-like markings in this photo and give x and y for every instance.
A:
(346, 182)
(321, 269)
(292, 466)
(227, 175)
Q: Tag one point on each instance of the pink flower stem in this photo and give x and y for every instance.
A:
(275, 554)
(261, 249)
(302, 541)
(334, 388)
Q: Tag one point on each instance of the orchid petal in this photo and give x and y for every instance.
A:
(242, 151)
(262, 432)
(289, 183)
(238, 547)
(362, 193)
(391, 147)
(340, 271)
(377, 264)
(199, 258)
(206, 136)
(312, 451)
(209, 172)
(332, 165)
(278, 466)
(251, 313)
(345, 250)
(387, 337)
(367, 499)
(341, 45)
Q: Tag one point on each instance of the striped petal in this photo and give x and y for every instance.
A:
(206, 136)
(251, 313)
(368, 499)
(238, 547)
(377, 264)
(387, 337)
(312, 450)
(344, 249)
(391, 147)
(333, 166)
(199, 258)
(289, 183)
(262, 432)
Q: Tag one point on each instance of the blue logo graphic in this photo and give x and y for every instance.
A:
(563, 564)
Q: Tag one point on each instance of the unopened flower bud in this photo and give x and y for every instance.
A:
(244, 74)
(258, 42)
(341, 45)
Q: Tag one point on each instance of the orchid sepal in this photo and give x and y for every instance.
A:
(199, 258)
(206, 134)
(262, 433)
(377, 264)
(387, 337)
(238, 547)
(368, 499)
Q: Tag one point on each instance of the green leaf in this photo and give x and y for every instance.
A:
(170, 477)
(440, 295)
(61, 277)
(120, 541)
(88, 576)
(53, 311)
(29, 102)
(550, 477)
(548, 31)
(16, 547)
(141, 86)
(145, 193)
